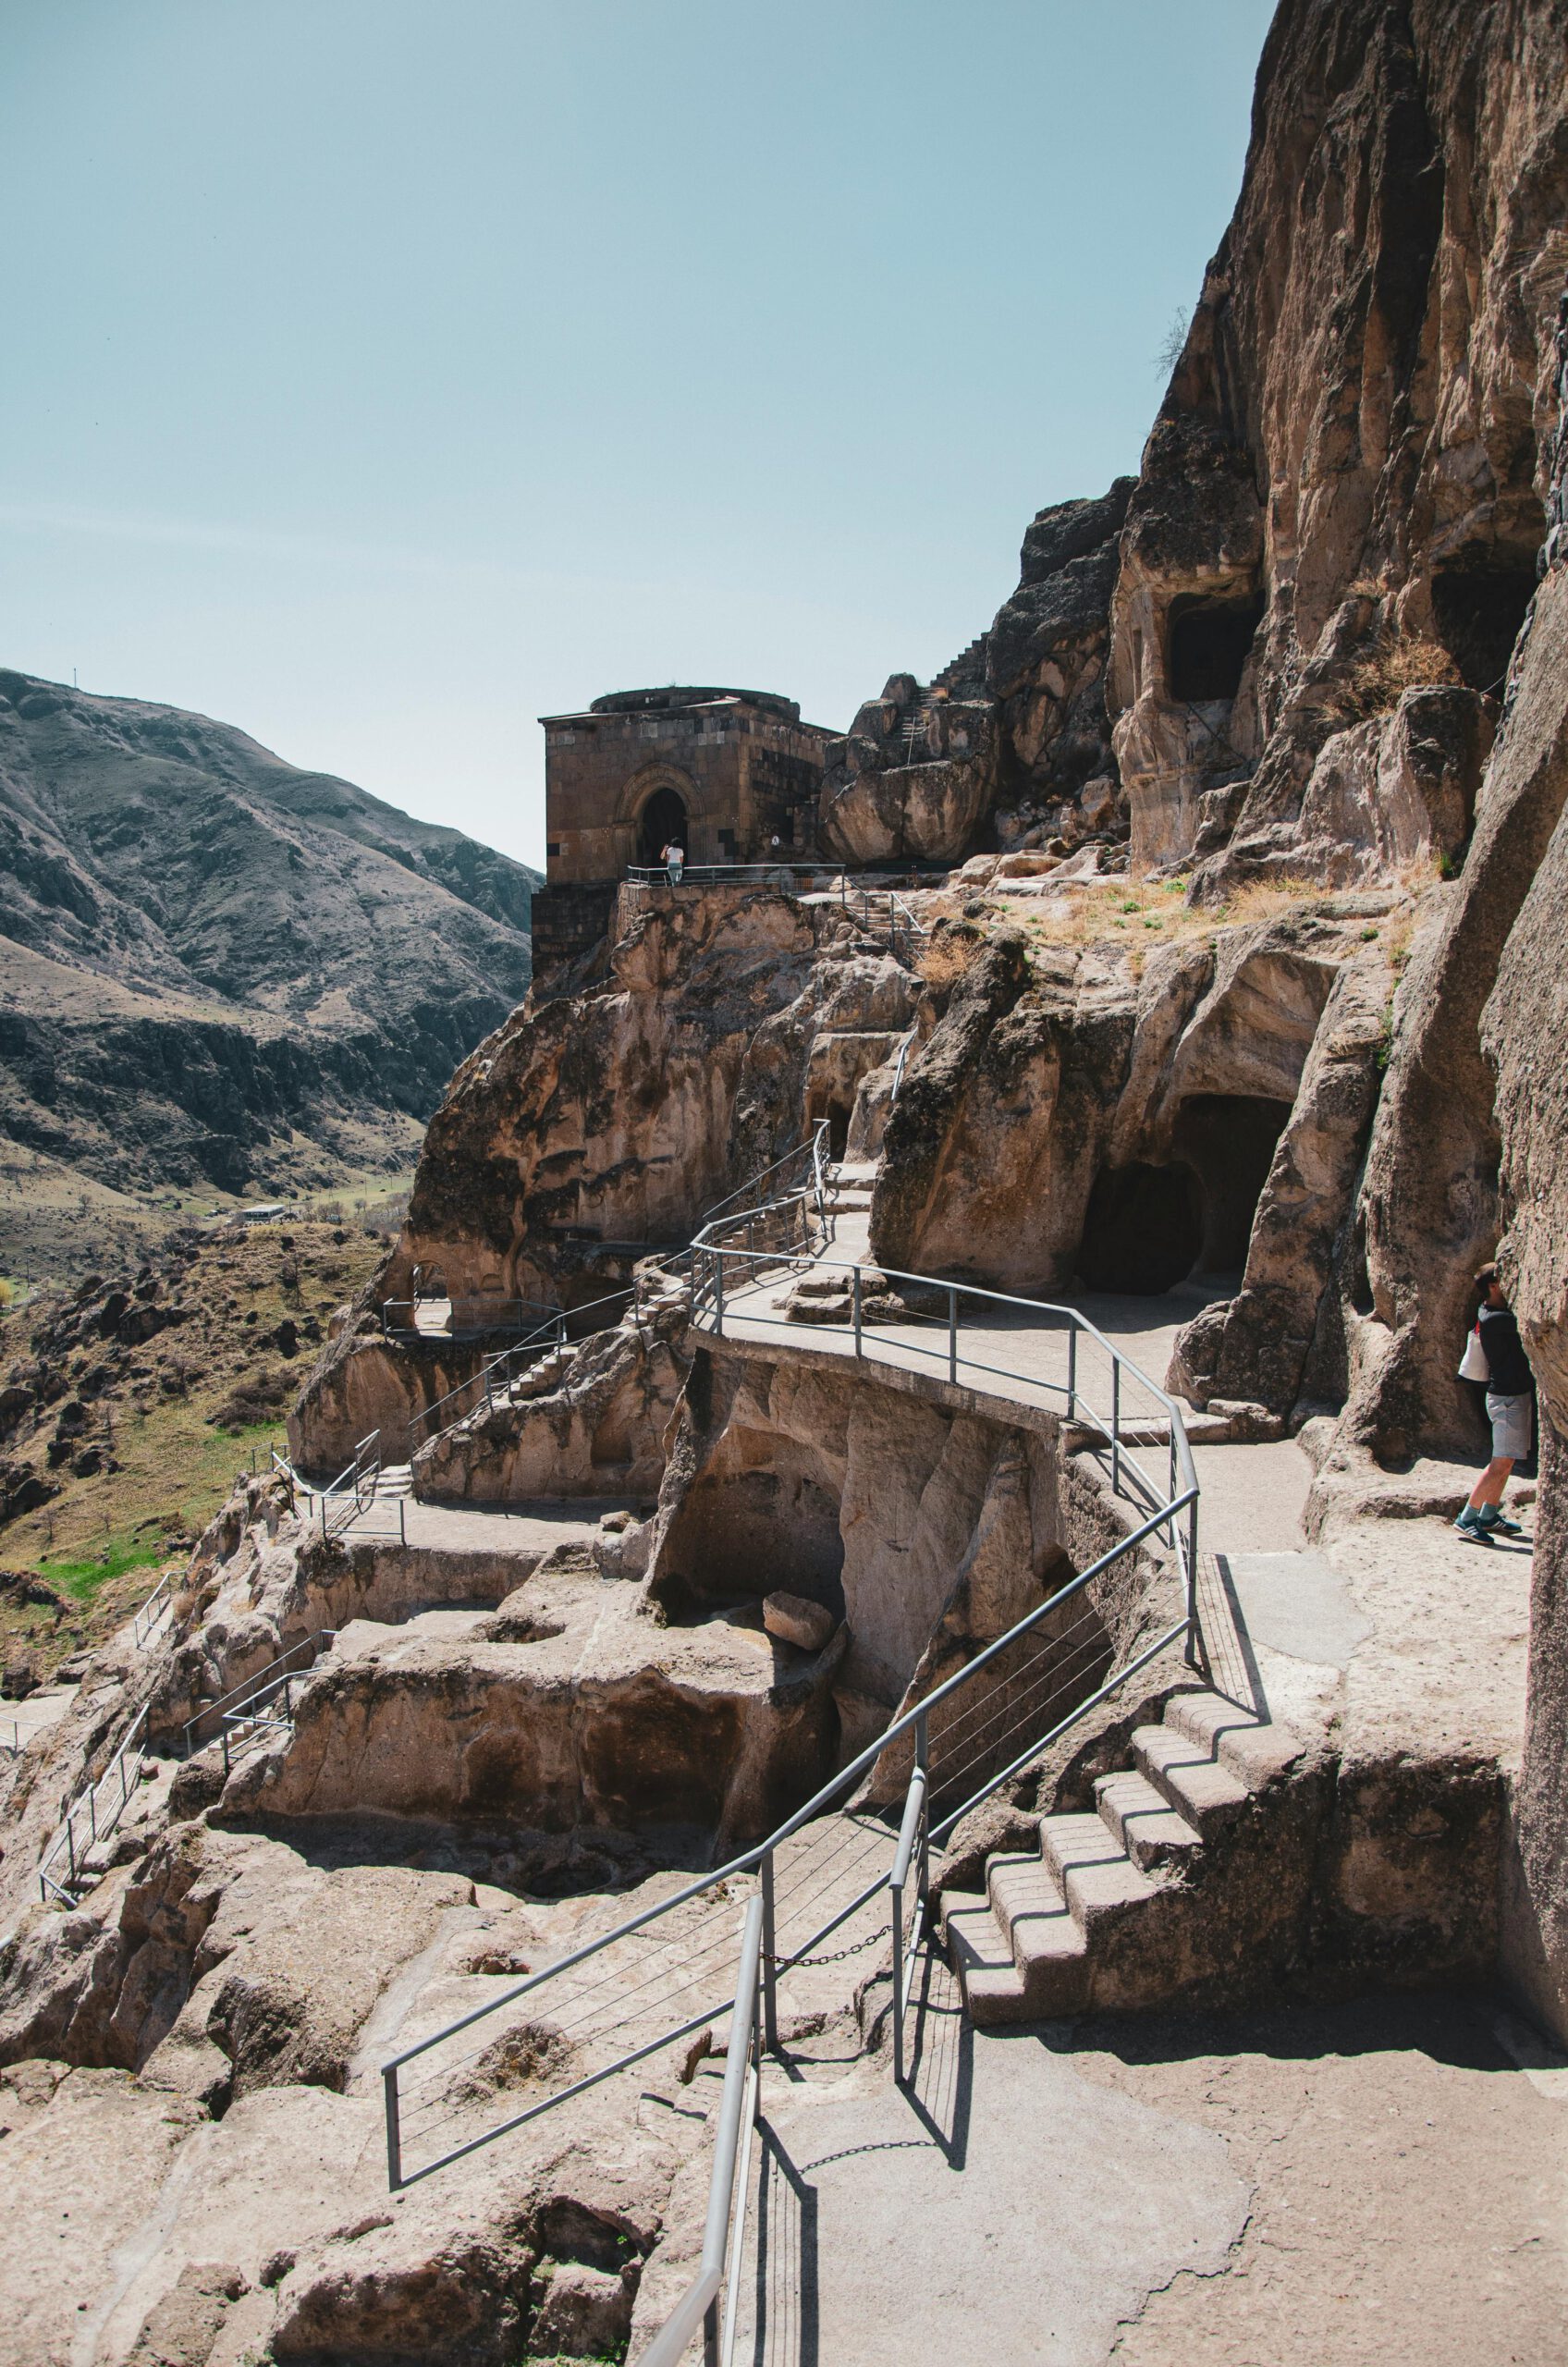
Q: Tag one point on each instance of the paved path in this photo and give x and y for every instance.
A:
(523, 1527)
(1005, 2210)
(1006, 1349)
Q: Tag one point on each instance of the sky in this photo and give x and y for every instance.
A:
(382, 374)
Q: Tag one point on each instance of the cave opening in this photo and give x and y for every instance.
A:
(1144, 1230)
(1151, 1224)
(1209, 644)
(837, 1116)
(1478, 609)
(1227, 1140)
(662, 823)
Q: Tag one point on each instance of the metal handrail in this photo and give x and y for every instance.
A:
(87, 1796)
(262, 1680)
(730, 2185)
(916, 1829)
(709, 1296)
(149, 1618)
(544, 1342)
(343, 1498)
(759, 1859)
(816, 1150)
(905, 1050)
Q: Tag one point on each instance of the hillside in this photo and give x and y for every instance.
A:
(126, 1405)
(219, 975)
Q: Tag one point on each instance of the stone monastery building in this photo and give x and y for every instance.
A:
(733, 776)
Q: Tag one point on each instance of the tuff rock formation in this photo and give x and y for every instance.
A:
(1342, 497)
(1009, 745)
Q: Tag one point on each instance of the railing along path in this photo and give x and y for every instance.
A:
(88, 1816)
(664, 1974)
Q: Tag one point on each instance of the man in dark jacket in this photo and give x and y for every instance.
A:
(1509, 1404)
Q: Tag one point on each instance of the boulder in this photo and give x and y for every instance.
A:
(795, 1620)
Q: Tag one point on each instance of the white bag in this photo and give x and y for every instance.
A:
(1473, 1365)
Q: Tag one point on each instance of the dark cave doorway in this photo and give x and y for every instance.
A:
(1151, 1224)
(1209, 641)
(662, 823)
(1478, 607)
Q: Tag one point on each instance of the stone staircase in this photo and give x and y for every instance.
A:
(1085, 1922)
(970, 664)
(850, 1188)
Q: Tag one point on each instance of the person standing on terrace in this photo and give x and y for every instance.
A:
(1496, 1355)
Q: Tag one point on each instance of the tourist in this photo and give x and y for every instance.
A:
(1494, 1355)
(674, 860)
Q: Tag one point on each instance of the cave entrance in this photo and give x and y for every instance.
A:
(1227, 1141)
(662, 823)
(583, 1302)
(1151, 1224)
(1478, 609)
(1209, 644)
(838, 1114)
(1144, 1230)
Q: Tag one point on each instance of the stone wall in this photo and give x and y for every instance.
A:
(742, 765)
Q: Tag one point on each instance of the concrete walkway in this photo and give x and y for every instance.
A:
(1003, 2210)
(532, 1527)
(1378, 2182)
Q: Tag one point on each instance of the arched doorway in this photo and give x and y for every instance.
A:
(662, 823)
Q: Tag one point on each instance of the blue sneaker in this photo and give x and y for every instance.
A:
(1491, 1517)
(1471, 1527)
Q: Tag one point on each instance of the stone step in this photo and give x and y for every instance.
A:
(993, 1986)
(1254, 1749)
(1142, 1819)
(1198, 1787)
(1041, 1971)
(1021, 1889)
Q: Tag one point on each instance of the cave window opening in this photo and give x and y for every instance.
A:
(1151, 1224)
(1209, 644)
(662, 823)
(1477, 612)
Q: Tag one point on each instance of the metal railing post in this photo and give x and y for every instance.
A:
(718, 1294)
(1195, 1638)
(897, 1891)
(923, 1761)
(856, 1292)
(769, 1968)
(952, 1331)
(394, 2128)
(1115, 1424)
(1072, 1372)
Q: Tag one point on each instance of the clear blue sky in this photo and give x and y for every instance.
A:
(384, 374)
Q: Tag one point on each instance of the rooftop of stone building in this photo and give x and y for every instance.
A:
(675, 698)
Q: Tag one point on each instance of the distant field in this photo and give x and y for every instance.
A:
(173, 1418)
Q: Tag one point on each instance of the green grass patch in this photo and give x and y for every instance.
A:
(84, 1580)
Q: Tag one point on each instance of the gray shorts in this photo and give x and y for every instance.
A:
(1510, 1419)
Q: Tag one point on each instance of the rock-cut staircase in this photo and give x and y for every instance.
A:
(1083, 1922)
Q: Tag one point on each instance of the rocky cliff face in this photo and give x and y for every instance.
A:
(1009, 745)
(219, 971)
(1342, 497)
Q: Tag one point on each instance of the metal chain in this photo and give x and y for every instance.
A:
(855, 1948)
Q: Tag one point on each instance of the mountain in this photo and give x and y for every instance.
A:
(219, 974)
